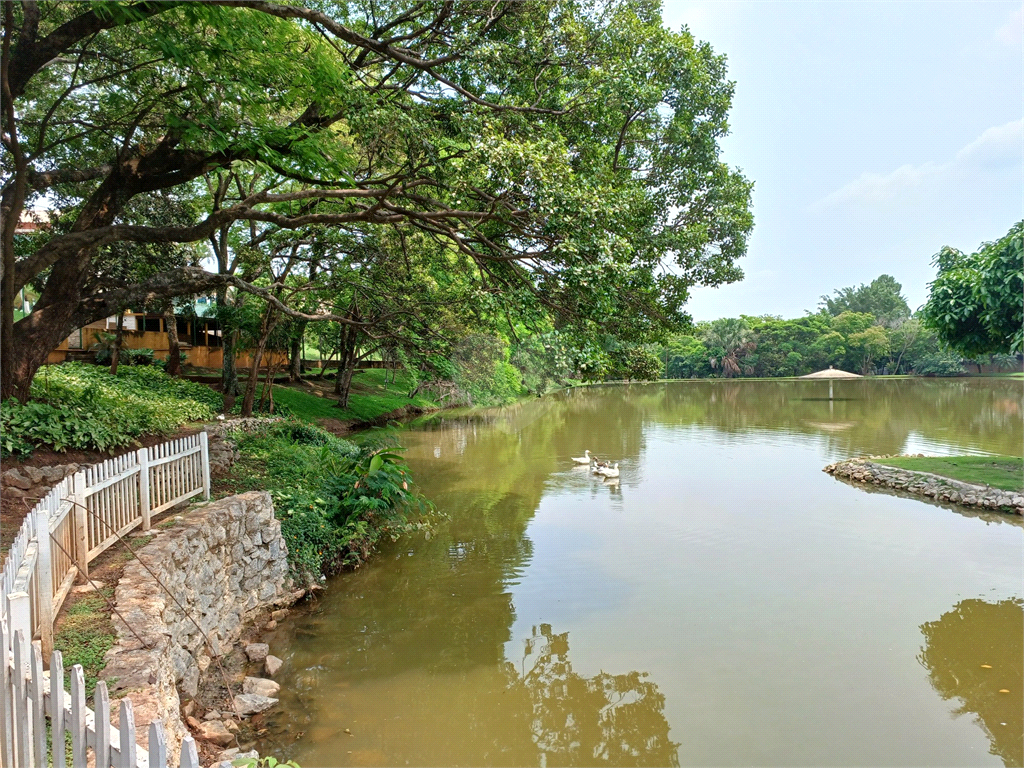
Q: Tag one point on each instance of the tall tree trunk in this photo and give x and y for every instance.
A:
(295, 362)
(266, 326)
(115, 356)
(346, 363)
(229, 343)
(174, 348)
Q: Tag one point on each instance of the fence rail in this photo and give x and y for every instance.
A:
(72, 525)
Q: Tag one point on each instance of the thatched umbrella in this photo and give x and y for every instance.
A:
(830, 374)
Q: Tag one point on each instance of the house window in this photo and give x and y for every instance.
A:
(152, 324)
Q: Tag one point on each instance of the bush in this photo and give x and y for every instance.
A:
(84, 407)
(334, 499)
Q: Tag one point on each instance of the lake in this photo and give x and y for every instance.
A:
(726, 603)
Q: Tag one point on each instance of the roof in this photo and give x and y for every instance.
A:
(832, 373)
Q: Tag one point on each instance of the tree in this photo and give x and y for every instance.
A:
(732, 338)
(568, 150)
(882, 298)
(975, 303)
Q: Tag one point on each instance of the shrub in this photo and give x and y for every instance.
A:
(334, 499)
(84, 407)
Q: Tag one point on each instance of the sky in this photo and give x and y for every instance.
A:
(875, 133)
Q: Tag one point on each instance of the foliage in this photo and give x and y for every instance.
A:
(570, 149)
(974, 304)
(263, 762)
(635, 363)
(83, 407)
(939, 363)
(334, 499)
(882, 299)
(483, 372)
(729, 340)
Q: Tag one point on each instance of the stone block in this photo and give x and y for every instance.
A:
(14, 478)
(216, 732)
(251, 703)
(257, 651)
(260, 686)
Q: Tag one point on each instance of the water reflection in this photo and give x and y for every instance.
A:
(867, 416)
(971, 653)
(601, 720)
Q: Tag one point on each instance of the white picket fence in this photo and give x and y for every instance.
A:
(83, 515)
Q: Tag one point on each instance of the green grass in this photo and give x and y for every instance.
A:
(367, 400)
(85, 635)
(1004, 472)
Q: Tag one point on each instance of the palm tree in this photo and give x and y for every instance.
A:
(733, 336)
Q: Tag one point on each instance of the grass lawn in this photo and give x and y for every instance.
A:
(367, 400)
(1005, 472)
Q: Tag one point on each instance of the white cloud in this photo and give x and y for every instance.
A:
(1012, 32)
(997, 148)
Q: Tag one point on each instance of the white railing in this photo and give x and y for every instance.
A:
(82, 515)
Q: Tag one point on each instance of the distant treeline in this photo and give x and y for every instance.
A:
(868, 330)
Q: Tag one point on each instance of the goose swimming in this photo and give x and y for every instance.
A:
(613, 472)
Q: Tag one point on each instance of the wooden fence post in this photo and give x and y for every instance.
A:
(126, 727)
(38, 707)
(204, 445)
(6, 698)
(78, 740)
(19, 614)
(44, 581)
(143, 456)
(22, 719)
(101, 722)
(57, 709)
(81, 522)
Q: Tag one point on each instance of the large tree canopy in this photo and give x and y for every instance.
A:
(976, 303)
(881, 298)
(568, 150)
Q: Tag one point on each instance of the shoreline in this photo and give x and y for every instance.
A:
(927, 486)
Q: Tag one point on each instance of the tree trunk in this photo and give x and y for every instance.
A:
(295, 363)
(346, 364)
(266, 326)
(115, 356)
(174, 353)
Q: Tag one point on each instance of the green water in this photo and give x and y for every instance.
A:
(726, 603)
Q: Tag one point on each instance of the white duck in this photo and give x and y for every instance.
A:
(600, 466)
(613, 472)
(584, 459)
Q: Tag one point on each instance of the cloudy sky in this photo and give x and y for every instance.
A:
(875, 134)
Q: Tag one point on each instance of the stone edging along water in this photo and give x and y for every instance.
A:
(928, 485)
(224, 563)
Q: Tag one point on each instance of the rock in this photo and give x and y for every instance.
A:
(193, 723)
(228, 754)
(271, 624)
(278, 615)
(231, 725)
(251, 703)
(272, 665)
(14, 478)
(33, 474)
(189, 708)
(53, 475)
(257, 651)
(213, 714)
(260, 686)
(216, 732)
(91, 586)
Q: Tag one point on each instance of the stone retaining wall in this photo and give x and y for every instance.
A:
(30, 484)
(928, 485)
(223, 563)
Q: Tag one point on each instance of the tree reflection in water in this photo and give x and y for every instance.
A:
(973, 634)
(600, 720)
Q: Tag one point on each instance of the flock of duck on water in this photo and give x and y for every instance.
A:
(598, 467)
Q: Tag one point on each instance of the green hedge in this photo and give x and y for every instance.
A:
(82, 406)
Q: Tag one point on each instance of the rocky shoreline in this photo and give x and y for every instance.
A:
(183, 607)
(928, 486)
